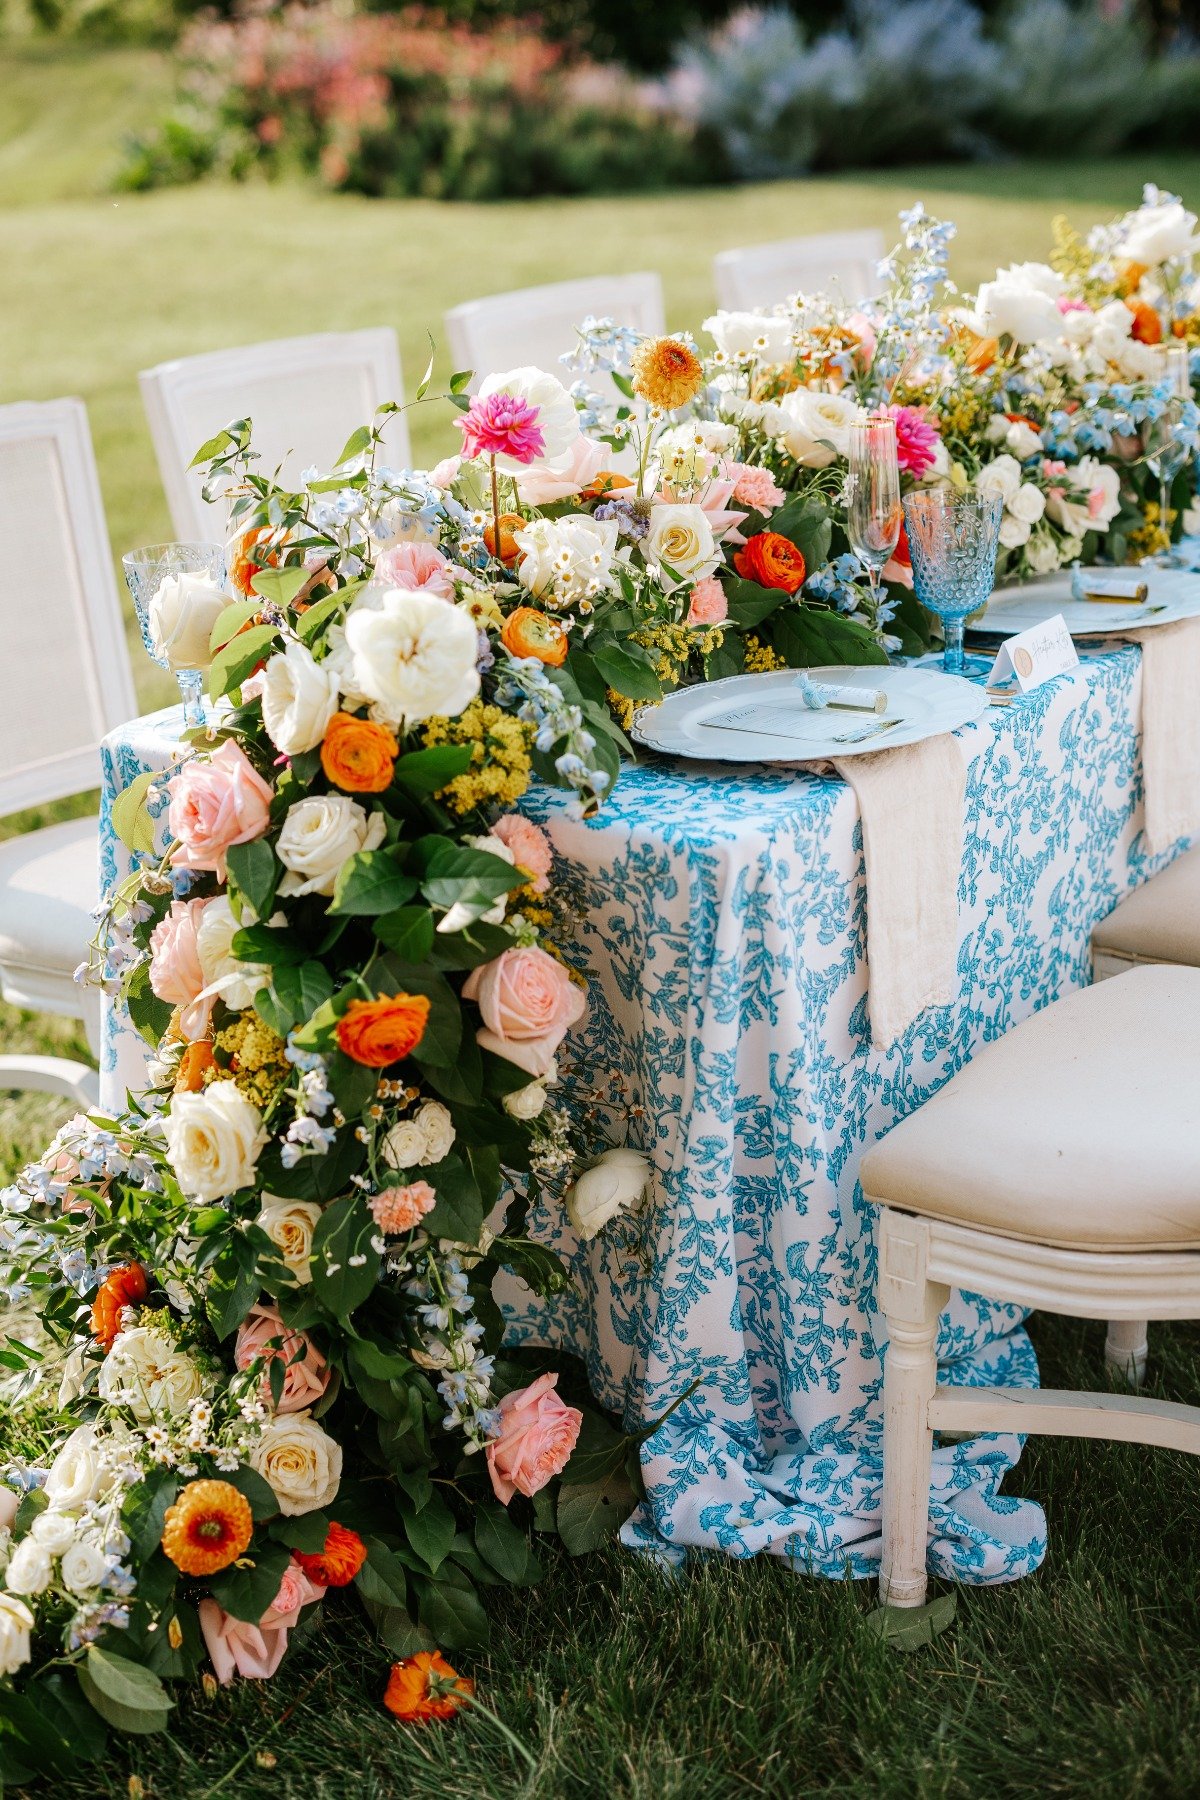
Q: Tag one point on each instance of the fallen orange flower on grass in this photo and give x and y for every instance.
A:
(379, 1032)
(120, 1288)
(424, 1686)
(209, 1526)
(339, 1562)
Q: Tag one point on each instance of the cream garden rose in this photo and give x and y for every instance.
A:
(571, 558)
(290, 1225)
(323, 832)
(16, 1626)
(436, 1126)
(77, 1473)
(301, 1463)
(680, 541)
(1156, 233)
(226, 975)
(299, 698)
(1021, 303)
(181, 616)
(412, 656)
(147, 1371)
(613, 1184)
(83, 1567)
(816, 427)
(213, 1140)
(29, 1568)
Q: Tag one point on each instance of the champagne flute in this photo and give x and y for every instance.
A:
(873, 487)
(1166, 452)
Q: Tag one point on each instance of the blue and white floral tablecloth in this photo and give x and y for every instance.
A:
(723, 937)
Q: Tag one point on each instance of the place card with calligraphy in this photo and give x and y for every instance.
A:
(1023, 662)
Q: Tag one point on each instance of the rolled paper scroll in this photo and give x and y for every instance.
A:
(819, 694)
(1118, 590)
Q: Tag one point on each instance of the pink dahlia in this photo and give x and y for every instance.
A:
(917, 441)
(502, 425)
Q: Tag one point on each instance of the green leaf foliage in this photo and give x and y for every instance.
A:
(255, 873)
(345, 1267)
(125, 1694)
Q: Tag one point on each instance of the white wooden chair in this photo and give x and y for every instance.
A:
(305, 397)
(1059, 1170)
(760, 275)
(535, 326)
(65, 681)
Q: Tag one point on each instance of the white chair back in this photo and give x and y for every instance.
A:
(537, 325)
(760, 275)
(65, 676)
(304, 395)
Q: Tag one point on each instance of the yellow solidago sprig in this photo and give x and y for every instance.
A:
(255, 1057)
(500, 765)
(760, 658)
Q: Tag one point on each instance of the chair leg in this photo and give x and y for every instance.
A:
(51, 1075)
(1126, 1349)
(912, 1306)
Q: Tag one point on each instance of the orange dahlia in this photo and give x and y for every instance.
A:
(209, 1526)
(120, 1288)
(339, 1562)
(379, 1032)
(666, 372)
(424, 1686)
(358, 755)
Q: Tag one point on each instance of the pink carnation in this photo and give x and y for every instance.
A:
(417, 568)
(502, 425)
(217, 801)
(755, 488)
(708, 605)
(917, 441)
(400, 1209)
(529, 845)
(537, 1435)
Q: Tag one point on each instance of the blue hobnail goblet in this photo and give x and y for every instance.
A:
(145, 572)
(952, 540)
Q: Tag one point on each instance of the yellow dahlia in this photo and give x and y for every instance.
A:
(666, 372)
(208, 1527)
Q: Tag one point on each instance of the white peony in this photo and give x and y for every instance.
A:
(290, 1225)
(322, 833)
(83, 1567)
(404, 1145)
(617, 1181)
(681, 538)
(527, 1103)
(1019, 303)
(54, 1531)
(77, 1473)
(29, 1568)
(557, 418)
(1093, 501)
(301, 1463)
(765, 337)
(571, 558)
(816, 426)
(1001, 476)
(213, 1141)
(434, 1122)
(412, 656)
(225, 974)
(299, 697)
(16, 1624)
(1028, 503)
(181, 617)
(147, 1371)
(1157, 233)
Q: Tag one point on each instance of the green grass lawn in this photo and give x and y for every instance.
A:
(733, 1680)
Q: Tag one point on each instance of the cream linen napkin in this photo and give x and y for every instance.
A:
(1170, 730)
(911, 803)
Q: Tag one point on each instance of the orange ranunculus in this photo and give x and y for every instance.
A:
(209, 1527)
(772, 560)
(1129, 276)
(380, 1032)
(339, 1562)
(528, 632)
(608, 481)
(424, 1686)
(194, 1064)
(981, 352)
(1147, 326)
(509, 524)
(120, 1288)
(358, 755)
(249, 558)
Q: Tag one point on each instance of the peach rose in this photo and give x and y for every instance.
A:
(306, 1373)
(175, 972)
(528, 1003)
(217, 802)
(256, 1651)
(540, 486)
(418, 568)
(529, 844)
(537, 1435)
(708, 605)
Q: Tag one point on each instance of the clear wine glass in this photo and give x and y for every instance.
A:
(145, 572)
(873, 494)
(953, 539)
(1166, 452)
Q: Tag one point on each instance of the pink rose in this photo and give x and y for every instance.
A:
(445, 473)
(10, 1505)
(418, 569)
(256, 1651)
(864, 331)
(529, 844)
(216, 802)
(528, 1001)
(306, 1373)
(537, 1435)
(175, 972)
(708, 605)
(542, 487)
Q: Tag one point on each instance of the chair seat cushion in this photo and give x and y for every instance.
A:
(1081, 1128)
(1160, 921)
(49, 884)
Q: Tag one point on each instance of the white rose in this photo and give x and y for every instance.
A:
(54, 1531)
(77, 1473)
(1041, 553)
(765, 336)
(29, 1568)
(1014, 532)
(16, 1624)
(527, 1103)
(290, 1225)
(616, 1182)
(413, 655)
(182, 615)
(299, 697)
(1022, 439)
(681, 538)
(433, 1119)
(225, 974)
(1092, 503)
(1157, 233)
(301, 1463)
(1038, 277)
(404, 1145)
(1016, 306)
(74, 1371)
(571, 558)
(322, 833)
(1028, 503)
(213, 1141)
(147, 1371)
(83, 1567)
(817, 426)
(557, 419)
(1001, 476)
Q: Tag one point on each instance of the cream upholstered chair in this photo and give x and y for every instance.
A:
(1059, 1170)
(65, 681)
(760, 275)
(305, 396)
(537, 325)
